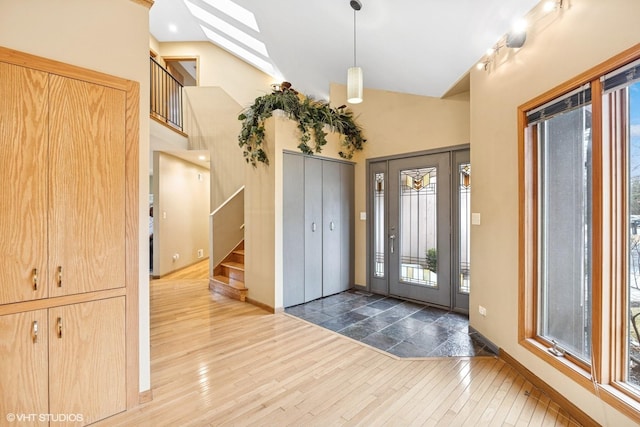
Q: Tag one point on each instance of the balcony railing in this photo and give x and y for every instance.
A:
(166, 96)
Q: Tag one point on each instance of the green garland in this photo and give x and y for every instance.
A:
(311, 116)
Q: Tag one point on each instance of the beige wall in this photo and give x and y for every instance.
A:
(154, 45)
(82, 33)
(216, 67)
(589, 32)
(211, 121)
(181, 213)
(396, 123)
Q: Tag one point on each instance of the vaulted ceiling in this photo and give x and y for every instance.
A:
(421, 47)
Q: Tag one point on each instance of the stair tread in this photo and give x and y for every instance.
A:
(236, 284)
(239, 252)
(234, 265)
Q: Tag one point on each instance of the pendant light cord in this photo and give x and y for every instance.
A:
(354, 37)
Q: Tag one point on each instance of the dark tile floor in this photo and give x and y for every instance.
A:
(402, 328)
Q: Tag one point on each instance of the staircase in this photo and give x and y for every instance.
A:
(228, 276)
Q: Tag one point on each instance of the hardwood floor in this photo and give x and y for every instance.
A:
(217, 361)
(199, 270)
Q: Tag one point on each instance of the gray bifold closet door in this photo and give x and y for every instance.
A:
(312, 228)
(317, 228)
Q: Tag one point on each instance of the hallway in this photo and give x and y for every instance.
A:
(216, 361)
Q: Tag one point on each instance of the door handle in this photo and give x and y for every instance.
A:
(393, 239)
(34, 278)
(332, 226)
(313, 227)
(59, 276)
(59, 327)
(34, 331)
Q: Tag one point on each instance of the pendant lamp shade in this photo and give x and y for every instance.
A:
(354, 85)
(354, 74)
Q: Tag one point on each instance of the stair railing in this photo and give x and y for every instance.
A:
(166, 95)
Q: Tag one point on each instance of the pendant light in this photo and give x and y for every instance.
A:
(354, 74)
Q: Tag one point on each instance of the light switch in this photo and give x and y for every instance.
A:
(363, 216)
(475, 218)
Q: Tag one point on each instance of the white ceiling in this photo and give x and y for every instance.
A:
(421, 47)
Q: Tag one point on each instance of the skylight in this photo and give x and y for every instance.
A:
(235, 11)
(229, 36)
(265, 66)
(226, 28)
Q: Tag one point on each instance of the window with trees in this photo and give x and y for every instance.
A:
(579, 154)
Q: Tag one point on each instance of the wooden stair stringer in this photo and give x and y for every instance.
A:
(228, 276)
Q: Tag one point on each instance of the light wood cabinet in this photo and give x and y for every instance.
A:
(86, 353)
(86, 196)
(68, 240)
(23, 183)
(23, 371)
(64, 360)
(317, 228)
(64, 184)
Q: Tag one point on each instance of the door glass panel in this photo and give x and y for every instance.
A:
(464, 194)
(378, 220)
(417, 241)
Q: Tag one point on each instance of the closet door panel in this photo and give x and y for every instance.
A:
(347, 220)
(23, 371)
(23, 183)
(293, 230)
(87, 359)
(87, 192)
(332, 227)
(313, 229)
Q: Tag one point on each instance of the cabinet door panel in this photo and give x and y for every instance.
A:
(332, 227)
(23, 183)
(313, 229)
(87, 192)
(23, 370)
(87, 359)
(293, 230)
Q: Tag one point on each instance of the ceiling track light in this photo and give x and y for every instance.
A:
(551, 5)
(354, 74)
(516, 38)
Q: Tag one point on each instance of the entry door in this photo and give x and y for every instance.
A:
(419, 224)
(419, 228)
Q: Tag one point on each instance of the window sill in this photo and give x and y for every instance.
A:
(564, 365)
(610, 394)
